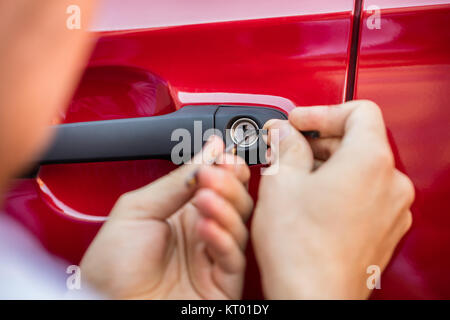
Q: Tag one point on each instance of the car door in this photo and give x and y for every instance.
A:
(155, 57)
(404, 66)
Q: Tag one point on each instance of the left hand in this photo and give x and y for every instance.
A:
(172, 241)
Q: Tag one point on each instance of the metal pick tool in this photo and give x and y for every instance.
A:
(233, 147)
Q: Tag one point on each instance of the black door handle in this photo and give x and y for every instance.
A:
(148, 137)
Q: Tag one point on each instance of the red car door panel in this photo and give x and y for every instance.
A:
(404, 66)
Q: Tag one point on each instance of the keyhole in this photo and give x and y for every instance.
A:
(240, 128)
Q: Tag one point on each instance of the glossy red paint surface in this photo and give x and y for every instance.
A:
(405, 67)
(115, 92)
(280, 62)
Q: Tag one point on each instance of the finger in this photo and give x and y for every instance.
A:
(212, 206)
(161, 198)
(324, 148)
(325, 119)
(334, 121)
(234, 164)
(221, 247)
(364, 124)
(288, 145)
(225, 184)
(402, 226)
(364, 146)
(407, 223)
(394, 236)
(403, 189)
(403, 195)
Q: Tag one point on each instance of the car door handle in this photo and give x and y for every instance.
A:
(148, 137)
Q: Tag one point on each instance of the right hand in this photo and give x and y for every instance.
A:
(336, 205)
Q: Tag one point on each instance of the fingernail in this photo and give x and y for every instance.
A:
(269, 123)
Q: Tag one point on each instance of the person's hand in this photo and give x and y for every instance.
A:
(336, 206)
(173, 240)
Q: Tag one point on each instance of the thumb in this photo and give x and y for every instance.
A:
(163, 197)
(288, 146)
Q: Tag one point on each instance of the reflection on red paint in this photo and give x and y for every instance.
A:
(405, 68)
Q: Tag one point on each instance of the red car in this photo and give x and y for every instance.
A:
(155, 57)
